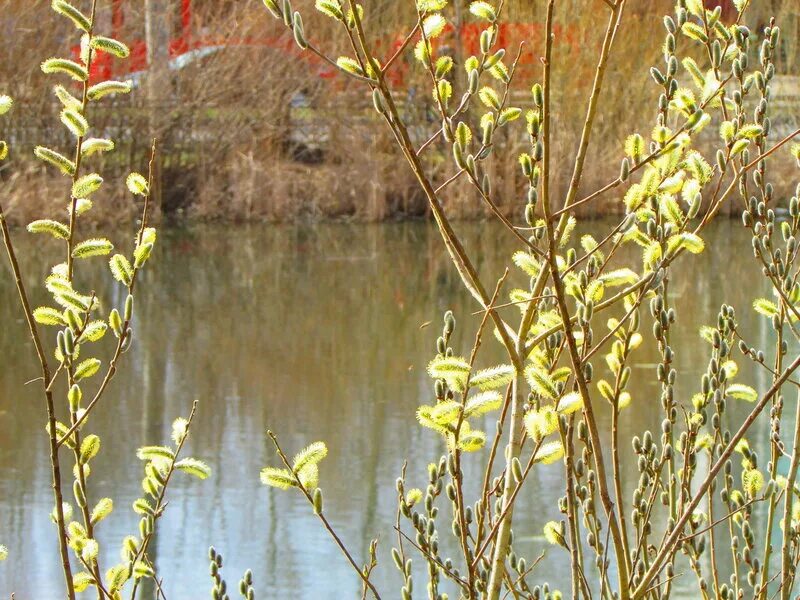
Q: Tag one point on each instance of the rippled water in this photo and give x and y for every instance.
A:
(316, 333)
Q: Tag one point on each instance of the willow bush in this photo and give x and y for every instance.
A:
(699, 484)
(74, 382)
(582, 317)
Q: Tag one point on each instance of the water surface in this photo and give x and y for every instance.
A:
(314, 332)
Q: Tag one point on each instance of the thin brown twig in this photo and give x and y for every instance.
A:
(716, 522)
(321, 516)
(112, 367)
(516, 303)
(507, 507)
(79, 146)
(525, 573)
(51, 418)
(458, 476)
(645, 161)
(461, 260)
(402, 47)
(436, 560)
(160, 500)
(657, 563)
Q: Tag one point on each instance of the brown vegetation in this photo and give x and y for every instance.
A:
(245, 135)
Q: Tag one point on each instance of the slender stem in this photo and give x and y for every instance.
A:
(507, 509)
(323, 518)
(51, 415)
(577, 363)
(463, 264)
(514, 444)
(675, 536)
(458, 477)
(713, 544)
(594, 99)
(641, 164)
(435, 560)
(514, 448)
(402, 47)
(742, 172)
(787, 573)
(716, 522)
(572, 515)
(510, 490)
(160, 504)
(79, 146)
(93, 565)
(484, 516)
(112, 366)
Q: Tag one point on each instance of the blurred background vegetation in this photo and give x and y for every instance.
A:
(247, 135)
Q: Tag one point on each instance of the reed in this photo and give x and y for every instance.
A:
(292, 131)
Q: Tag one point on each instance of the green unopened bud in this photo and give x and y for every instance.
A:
(694, 207)
(126, 343)
(273, 8)
(694, 120)
(516, 468)
(530, 214)
(526, 163)
(77, 491)
(470, 166)
(474, 81)
(486, 185)
(74, 397)
(317, 501)
(69, 341)
(624, 170)
(488, 132)
(447, 130)
(458, 155)
(143, 531)
(486, 41)
(115, 321)
(657, 76)
(672, 66)
(287, 13)
(377, 101)
(538, 151)
(72, 319)
(713, 18)
(716, 53)
(60, 343)
(538, 94)
(128, 307)
(722, 162)
(495, 58)
(141, 254)
(297, 30)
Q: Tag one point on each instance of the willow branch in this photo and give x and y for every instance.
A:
(51, 417)
(669, 544)
(323, 518)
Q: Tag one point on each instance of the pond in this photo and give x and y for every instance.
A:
(317, 333)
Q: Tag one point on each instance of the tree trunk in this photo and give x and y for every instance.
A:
(158, 83)
(158, 27)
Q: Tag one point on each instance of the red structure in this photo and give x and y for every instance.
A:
(102, 67)
(185, 41)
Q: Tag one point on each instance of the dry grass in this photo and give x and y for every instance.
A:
(233, 149)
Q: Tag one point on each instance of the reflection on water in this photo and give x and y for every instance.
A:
(313, 332)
